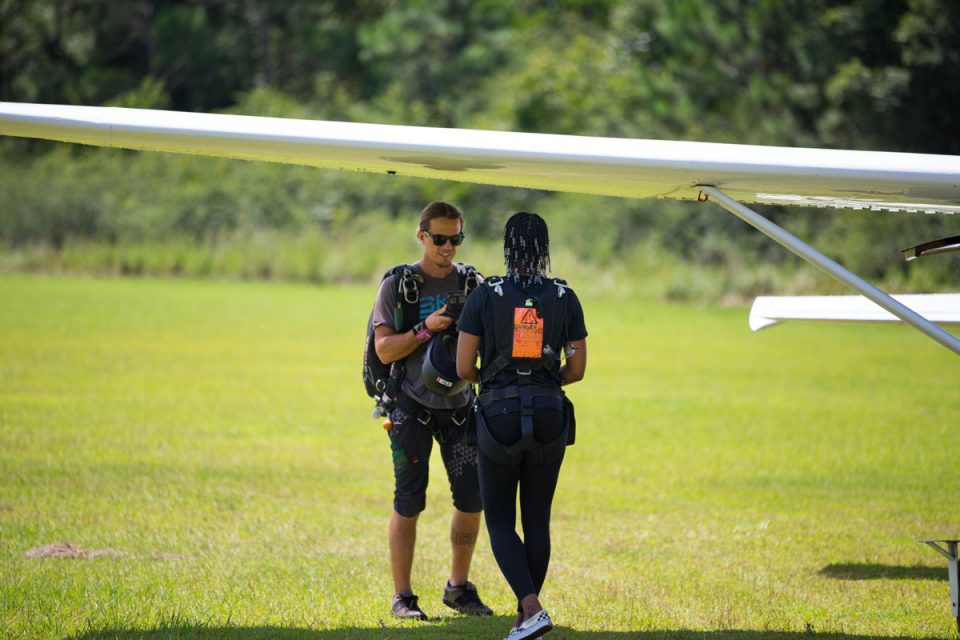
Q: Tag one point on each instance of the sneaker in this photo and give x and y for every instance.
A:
(465, 599)
(514, 629)
(405, 607)
(534, 627)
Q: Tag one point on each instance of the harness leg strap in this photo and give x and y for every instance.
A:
(526, 410)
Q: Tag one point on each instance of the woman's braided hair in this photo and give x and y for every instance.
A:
(526, 248)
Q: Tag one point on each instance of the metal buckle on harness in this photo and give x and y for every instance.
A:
(424, 418)
(459, 422)
(524, 372)
(470, 282)
(408, 287)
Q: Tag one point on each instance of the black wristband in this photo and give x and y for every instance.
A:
(421, 332)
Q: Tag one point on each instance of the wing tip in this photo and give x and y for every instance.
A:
(759, 319)
(758, 322)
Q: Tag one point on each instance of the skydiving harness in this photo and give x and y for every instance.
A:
(523, 347)
(383, 381)
(431, 418)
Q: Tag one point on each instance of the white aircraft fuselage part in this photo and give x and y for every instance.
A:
(581, 164)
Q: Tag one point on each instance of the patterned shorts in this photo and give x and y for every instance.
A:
(411, 444)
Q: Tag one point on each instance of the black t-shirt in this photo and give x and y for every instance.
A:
(477, 319)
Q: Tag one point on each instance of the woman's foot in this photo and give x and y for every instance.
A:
(533, 627)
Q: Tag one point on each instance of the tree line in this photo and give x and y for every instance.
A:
(857, 74)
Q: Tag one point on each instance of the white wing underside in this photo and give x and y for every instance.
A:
(601, 166)
(942, 308)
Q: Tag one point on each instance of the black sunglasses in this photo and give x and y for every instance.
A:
(440, 240)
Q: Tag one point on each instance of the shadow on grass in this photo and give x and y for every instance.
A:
(865, 571)
(459, 629)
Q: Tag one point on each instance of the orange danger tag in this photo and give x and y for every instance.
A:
(527, 333)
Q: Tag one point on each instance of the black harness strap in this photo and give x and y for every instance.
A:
(526, 409)
(539, 452)
(420, 413)
(500, 363)
(429, 417)
(505, 393)
(524, 392)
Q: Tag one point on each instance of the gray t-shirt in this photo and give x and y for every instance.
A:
(433, 295)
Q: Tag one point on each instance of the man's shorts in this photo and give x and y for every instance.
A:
(411, 443)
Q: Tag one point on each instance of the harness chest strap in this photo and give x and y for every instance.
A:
(501, 362)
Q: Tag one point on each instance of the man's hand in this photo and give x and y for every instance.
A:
(438, 322)
(392, 346)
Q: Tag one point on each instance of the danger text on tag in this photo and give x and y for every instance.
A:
(527, 333)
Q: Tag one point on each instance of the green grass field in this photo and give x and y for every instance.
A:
(215, 438)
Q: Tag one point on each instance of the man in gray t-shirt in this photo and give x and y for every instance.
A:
(420, 416)
(433, 297)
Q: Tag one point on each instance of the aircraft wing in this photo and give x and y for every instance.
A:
(600, 166)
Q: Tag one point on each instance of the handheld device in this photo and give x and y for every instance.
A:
(455, 302)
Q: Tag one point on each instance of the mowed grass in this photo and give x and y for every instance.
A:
(215, 436)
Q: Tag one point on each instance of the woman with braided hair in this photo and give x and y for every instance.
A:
(519, 324)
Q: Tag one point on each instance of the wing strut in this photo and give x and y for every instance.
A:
(822, 262)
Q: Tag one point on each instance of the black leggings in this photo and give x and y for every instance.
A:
(522, 562)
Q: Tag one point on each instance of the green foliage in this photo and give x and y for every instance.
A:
(851, 74)
(897, 78)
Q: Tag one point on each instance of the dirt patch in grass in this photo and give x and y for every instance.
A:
(67, 550)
